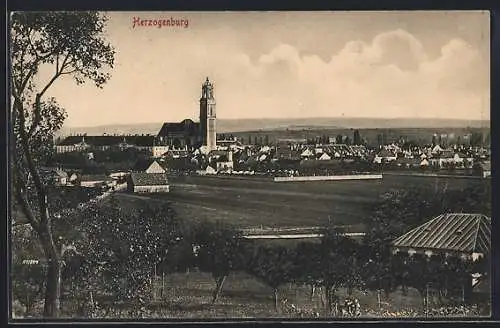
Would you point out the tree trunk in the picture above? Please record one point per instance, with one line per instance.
(329, 299)
(219, 283)
(276, 299)
(468, 290)
(378, 300)
(53, 279)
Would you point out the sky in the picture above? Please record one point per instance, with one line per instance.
(289, 65)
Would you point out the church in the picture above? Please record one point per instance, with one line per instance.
(192, 135)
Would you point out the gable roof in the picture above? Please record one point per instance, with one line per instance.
(453, 232)
(149, 179)
(143, 164)
(386, 153)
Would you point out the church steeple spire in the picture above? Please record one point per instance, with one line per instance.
(207, 115)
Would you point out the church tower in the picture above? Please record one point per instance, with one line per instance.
(207, 116)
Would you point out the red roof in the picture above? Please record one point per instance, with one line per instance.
(460, 232)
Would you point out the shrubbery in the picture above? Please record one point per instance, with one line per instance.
(119, 252)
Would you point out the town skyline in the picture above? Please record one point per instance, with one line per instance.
(382, 65)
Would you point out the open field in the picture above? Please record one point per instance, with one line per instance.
(260, 202)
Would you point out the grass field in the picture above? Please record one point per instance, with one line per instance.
(260, 202)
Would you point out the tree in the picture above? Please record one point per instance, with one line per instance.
(273, 265)
(72, 43)
(339, 139)
(357, 138)
(307, 260)
(28, 273)
(377, 262)
(220, 252)
(121, 248)
(336, 263)
(476, 139)
(380, 140)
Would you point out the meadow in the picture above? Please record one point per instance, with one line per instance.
(259, 202)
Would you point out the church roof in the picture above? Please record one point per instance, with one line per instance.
(452, 232)
(186, 127)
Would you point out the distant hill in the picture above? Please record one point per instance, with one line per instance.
(268, 124)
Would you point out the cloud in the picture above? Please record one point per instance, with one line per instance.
(391, 76)
(158, 78)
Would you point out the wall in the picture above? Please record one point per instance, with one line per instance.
(331, 177)
(151, 189)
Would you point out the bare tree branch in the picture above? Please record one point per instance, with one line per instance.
(38, 116)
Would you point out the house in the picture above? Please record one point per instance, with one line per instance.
(60, 177)
(450, 157)
(159, 151)
(225, 163)
(324, 157)
(73, 177)
(436, 149)
(176, 153)
(307, 153)
(288, 154)
(105, 142)
(149, 166)
(265, 149)
(215, 154)
(72, 143)
(53, 176)
(408, 162)
(210, 170)
(93, 181)
(484, 169)
(385, 156)
(142, 182)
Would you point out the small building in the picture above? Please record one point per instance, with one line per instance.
(385, 156)
(60, 177)
(484, 168)
(462, 234)
(142, 182)
(225, 163)
(94, 180)
(324, 157)
(210, 170)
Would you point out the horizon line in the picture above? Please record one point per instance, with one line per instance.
(286, 118)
